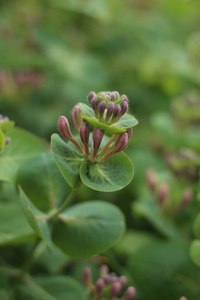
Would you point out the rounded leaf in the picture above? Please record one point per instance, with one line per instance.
(112, 175)
(88, 228)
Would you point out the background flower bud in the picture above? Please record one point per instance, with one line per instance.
(103, 270)
(163, 192)
(129, 294)
(91, 96)
(187, 196)
(64, 128)
(123, 280)
(151, 179)
(87, 277)
(8, 140)
(115, 289)
(99, 286)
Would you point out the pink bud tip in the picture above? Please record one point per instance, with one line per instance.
(115, 289)
(99, 285)
(187, 196)
(87, 277)
(125, 98)
(77, 117)
(130, 293)
(8, 140)
(124, 108)
(163, 191)
(94, 103)
(151, 179)
(121, 142)
(123, 280)
(129, 131)
(64, 128)
(114, 96)
(183, 298)
(91, 96)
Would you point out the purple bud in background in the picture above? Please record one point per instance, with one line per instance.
(124, 107)
(87, 277)
(117, 112)
(64, 128)
(99, 286)
(114, 96)
(129, 131)
(77, 117)
(163, 192)
(8, 140)
(151, 179)
(107, 279)
(101, 109)
(183, 298)
(110, 110)
(97, 138)
(129, 294)
(121, 143)
(125, 98)
(187, 196)
(91, 96)
(115, 289)
(123, 280)
(84, 135)
(104, 270)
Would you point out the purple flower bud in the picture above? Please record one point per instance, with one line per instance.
(121, 143)
(77, 117)
(99, 286)
(183, 298)
(129, 131)
(124, 108)
(125, 98)
(115, 289)
(110, 110)
(91, 96)
(104, 270)
(101, 109)
(94, 104)
(163, 192)
(97, 138)
(87, 277)
(129, 294)
(8, 140)
(187, 196)
(64, 128)
(117, 111)
(107, 279)
(114, 96)
(5, 119)
(84, 135)
(123, 280)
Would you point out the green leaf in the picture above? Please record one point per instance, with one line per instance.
(42, 182)
(5, 126)
(67, 159)
(14, 228)
(125, 122)
(112, 175)
(88, 228)
(36, 218)
(23, 146)
(196, 226)
(149, 209)
(164, 270)
(195, 251)
(55, 287)
(2, 140)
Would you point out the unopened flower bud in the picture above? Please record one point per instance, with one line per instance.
(187, 196)
(107, 279)
(125, 98)
(117, 112)
(163, 192)
(84, 135)
(183, 298)
(91, 96)
(114, 96)
(101, 109)
(110, 110)
(129, 131)
(77, 117)
(121, 142)
(87, 277)
(124, 108)
(151, 179)
(64, 128)
(129, 294)
(104, 270)
(97, 138)
(99, 286)
(8, 140)
(94, 104)
(115, 289)
(123, 280)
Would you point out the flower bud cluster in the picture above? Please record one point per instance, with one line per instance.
(108, 286)
(108, 107)
(115, 144)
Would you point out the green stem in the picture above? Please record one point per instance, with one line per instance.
(31, 257)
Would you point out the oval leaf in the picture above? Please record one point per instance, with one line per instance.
(89, 228)
(67, 159)
(195, 251)
(112, 175)
(2, 140)
(5, 126)
(42, 182)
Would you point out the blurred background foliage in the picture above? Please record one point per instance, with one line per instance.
(54, 52)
